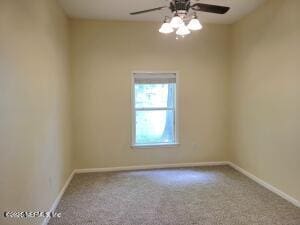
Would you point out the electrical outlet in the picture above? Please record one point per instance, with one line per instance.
(50, 181)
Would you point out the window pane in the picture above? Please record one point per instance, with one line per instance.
(153, 127)
(154, 95)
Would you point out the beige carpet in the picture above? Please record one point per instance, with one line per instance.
(188, 196)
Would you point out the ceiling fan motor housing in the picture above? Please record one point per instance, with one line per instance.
(180, 6)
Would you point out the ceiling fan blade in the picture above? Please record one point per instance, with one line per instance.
(149, 10)
(210, 8)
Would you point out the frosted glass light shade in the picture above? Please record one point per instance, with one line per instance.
(176, 22)
(166, 28)
(194, 24)
(183, 30)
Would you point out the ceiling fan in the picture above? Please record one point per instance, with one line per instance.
(180, 10)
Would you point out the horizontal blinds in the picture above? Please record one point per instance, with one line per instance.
(154, 78)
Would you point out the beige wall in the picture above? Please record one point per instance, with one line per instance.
(266, 94)
(103, 56)
(34, 105)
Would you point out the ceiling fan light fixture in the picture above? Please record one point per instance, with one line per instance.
(183, 30)
(166, 28)
(176, 22)
(194, 24)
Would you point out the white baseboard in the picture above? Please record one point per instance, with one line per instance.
(266, 185)
(58, 198)
(148, 167)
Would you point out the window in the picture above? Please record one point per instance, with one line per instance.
(154, 109)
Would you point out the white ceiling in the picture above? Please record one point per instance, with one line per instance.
(120, 9)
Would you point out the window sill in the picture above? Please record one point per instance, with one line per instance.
(156, 145)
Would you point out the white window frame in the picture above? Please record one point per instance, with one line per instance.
(133, 110)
